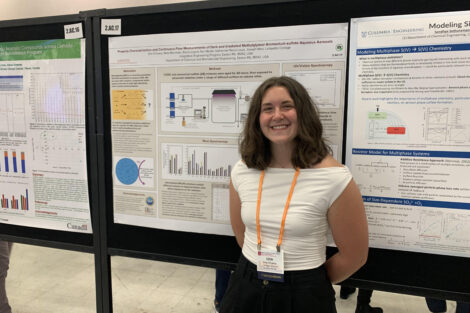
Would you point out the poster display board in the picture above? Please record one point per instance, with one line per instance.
(408, 142)
(178, 104)
(43, 171)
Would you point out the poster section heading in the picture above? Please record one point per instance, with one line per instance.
(180, 101)
(43, 172)
(408, 131)
(444, 154)
(40, 50)
(413, 49)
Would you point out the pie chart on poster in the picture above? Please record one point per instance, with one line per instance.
(127, 171)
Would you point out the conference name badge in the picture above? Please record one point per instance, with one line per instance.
(271, 265)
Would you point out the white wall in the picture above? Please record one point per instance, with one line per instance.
(18, 9)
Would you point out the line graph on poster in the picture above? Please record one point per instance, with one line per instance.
(436, 225)
(445, 125)
(57, 98)
(430, 225)
(457, 227)
(59, 147)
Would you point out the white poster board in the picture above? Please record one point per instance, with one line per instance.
(408, 136)
(43, 173)
(178, 105)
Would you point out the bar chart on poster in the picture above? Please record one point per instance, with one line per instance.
(43, 172)
(179, 103)
(409, 131)
(198, 162)
(13, 202)
(17, 161)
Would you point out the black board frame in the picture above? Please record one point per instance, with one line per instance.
(387, 270)
(45, 28)
(421, 274)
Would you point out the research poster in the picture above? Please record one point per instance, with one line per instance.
(408, 137)
(43, 172)
(179, 102)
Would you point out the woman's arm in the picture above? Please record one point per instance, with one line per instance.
(236, 216)
(348, 224)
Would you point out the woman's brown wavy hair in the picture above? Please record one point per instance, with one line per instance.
(309, 146)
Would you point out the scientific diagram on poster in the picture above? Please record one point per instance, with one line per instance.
(132, 171)
(217, 107)
(383, 125)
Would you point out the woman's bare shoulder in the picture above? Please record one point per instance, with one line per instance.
(328, 161)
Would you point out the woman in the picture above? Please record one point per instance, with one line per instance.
(284, 193)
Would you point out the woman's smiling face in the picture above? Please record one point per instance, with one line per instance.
(278, 116)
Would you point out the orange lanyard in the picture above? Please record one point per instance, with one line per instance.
(281, 232)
